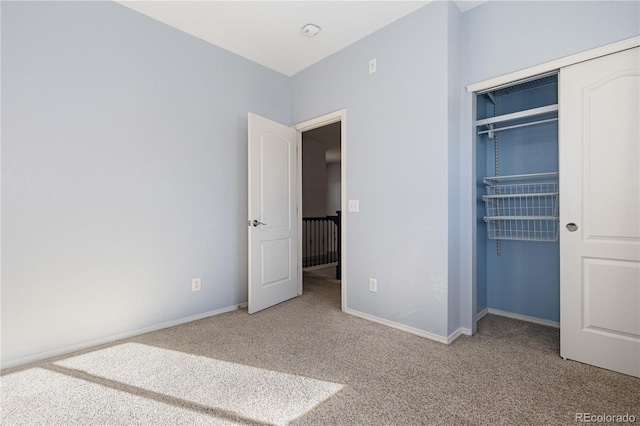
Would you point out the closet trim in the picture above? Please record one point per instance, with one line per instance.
(556, 64)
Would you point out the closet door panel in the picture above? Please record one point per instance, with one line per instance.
(612, 210)
(600, 193)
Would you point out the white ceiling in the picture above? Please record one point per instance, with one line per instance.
(269, 32)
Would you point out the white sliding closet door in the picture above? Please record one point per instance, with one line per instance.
(600, 212)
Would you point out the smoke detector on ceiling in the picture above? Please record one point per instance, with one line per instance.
(310, 30)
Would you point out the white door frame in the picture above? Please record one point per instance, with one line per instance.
(314, 123)
(506, 79)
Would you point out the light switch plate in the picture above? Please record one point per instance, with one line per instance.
(354, 206)
(372, 66)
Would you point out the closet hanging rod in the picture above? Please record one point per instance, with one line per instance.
(516, 126)
(518, 115)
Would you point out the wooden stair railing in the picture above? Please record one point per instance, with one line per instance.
(321, 241)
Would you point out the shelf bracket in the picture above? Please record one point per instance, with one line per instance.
(492, 97)
(491, 132)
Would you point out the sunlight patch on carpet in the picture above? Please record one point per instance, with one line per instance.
(41, 397)
(252, 393)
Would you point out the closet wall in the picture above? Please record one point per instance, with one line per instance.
(518, 276)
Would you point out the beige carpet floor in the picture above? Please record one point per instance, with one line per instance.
(306, 362)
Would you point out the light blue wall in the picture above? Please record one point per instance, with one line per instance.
(454, 83)
(396, 164)
(123, 172)
(503, 37)
(482, 239)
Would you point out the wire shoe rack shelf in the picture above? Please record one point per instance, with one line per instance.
(522, 207)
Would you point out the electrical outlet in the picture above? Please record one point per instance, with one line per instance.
(354, 206)
(372, 66)
(196, 284)
(373, 285)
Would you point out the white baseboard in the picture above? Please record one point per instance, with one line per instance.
(520, 317)
(403, 327)
(481, 314)
(453, 336)
(110, 339)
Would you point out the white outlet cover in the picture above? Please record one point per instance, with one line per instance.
(372, 66)
(373, 285)
(354, 206)
(196, 284)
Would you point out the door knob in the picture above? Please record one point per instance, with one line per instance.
(257, 222)
(572, 227)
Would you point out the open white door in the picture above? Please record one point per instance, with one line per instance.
(600, 212)
(273, 220)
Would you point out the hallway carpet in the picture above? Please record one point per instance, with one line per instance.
(304, 362)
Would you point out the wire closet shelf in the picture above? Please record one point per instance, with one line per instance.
(522, 207)
(523, 118)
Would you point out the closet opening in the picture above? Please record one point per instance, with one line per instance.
(518, 252)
